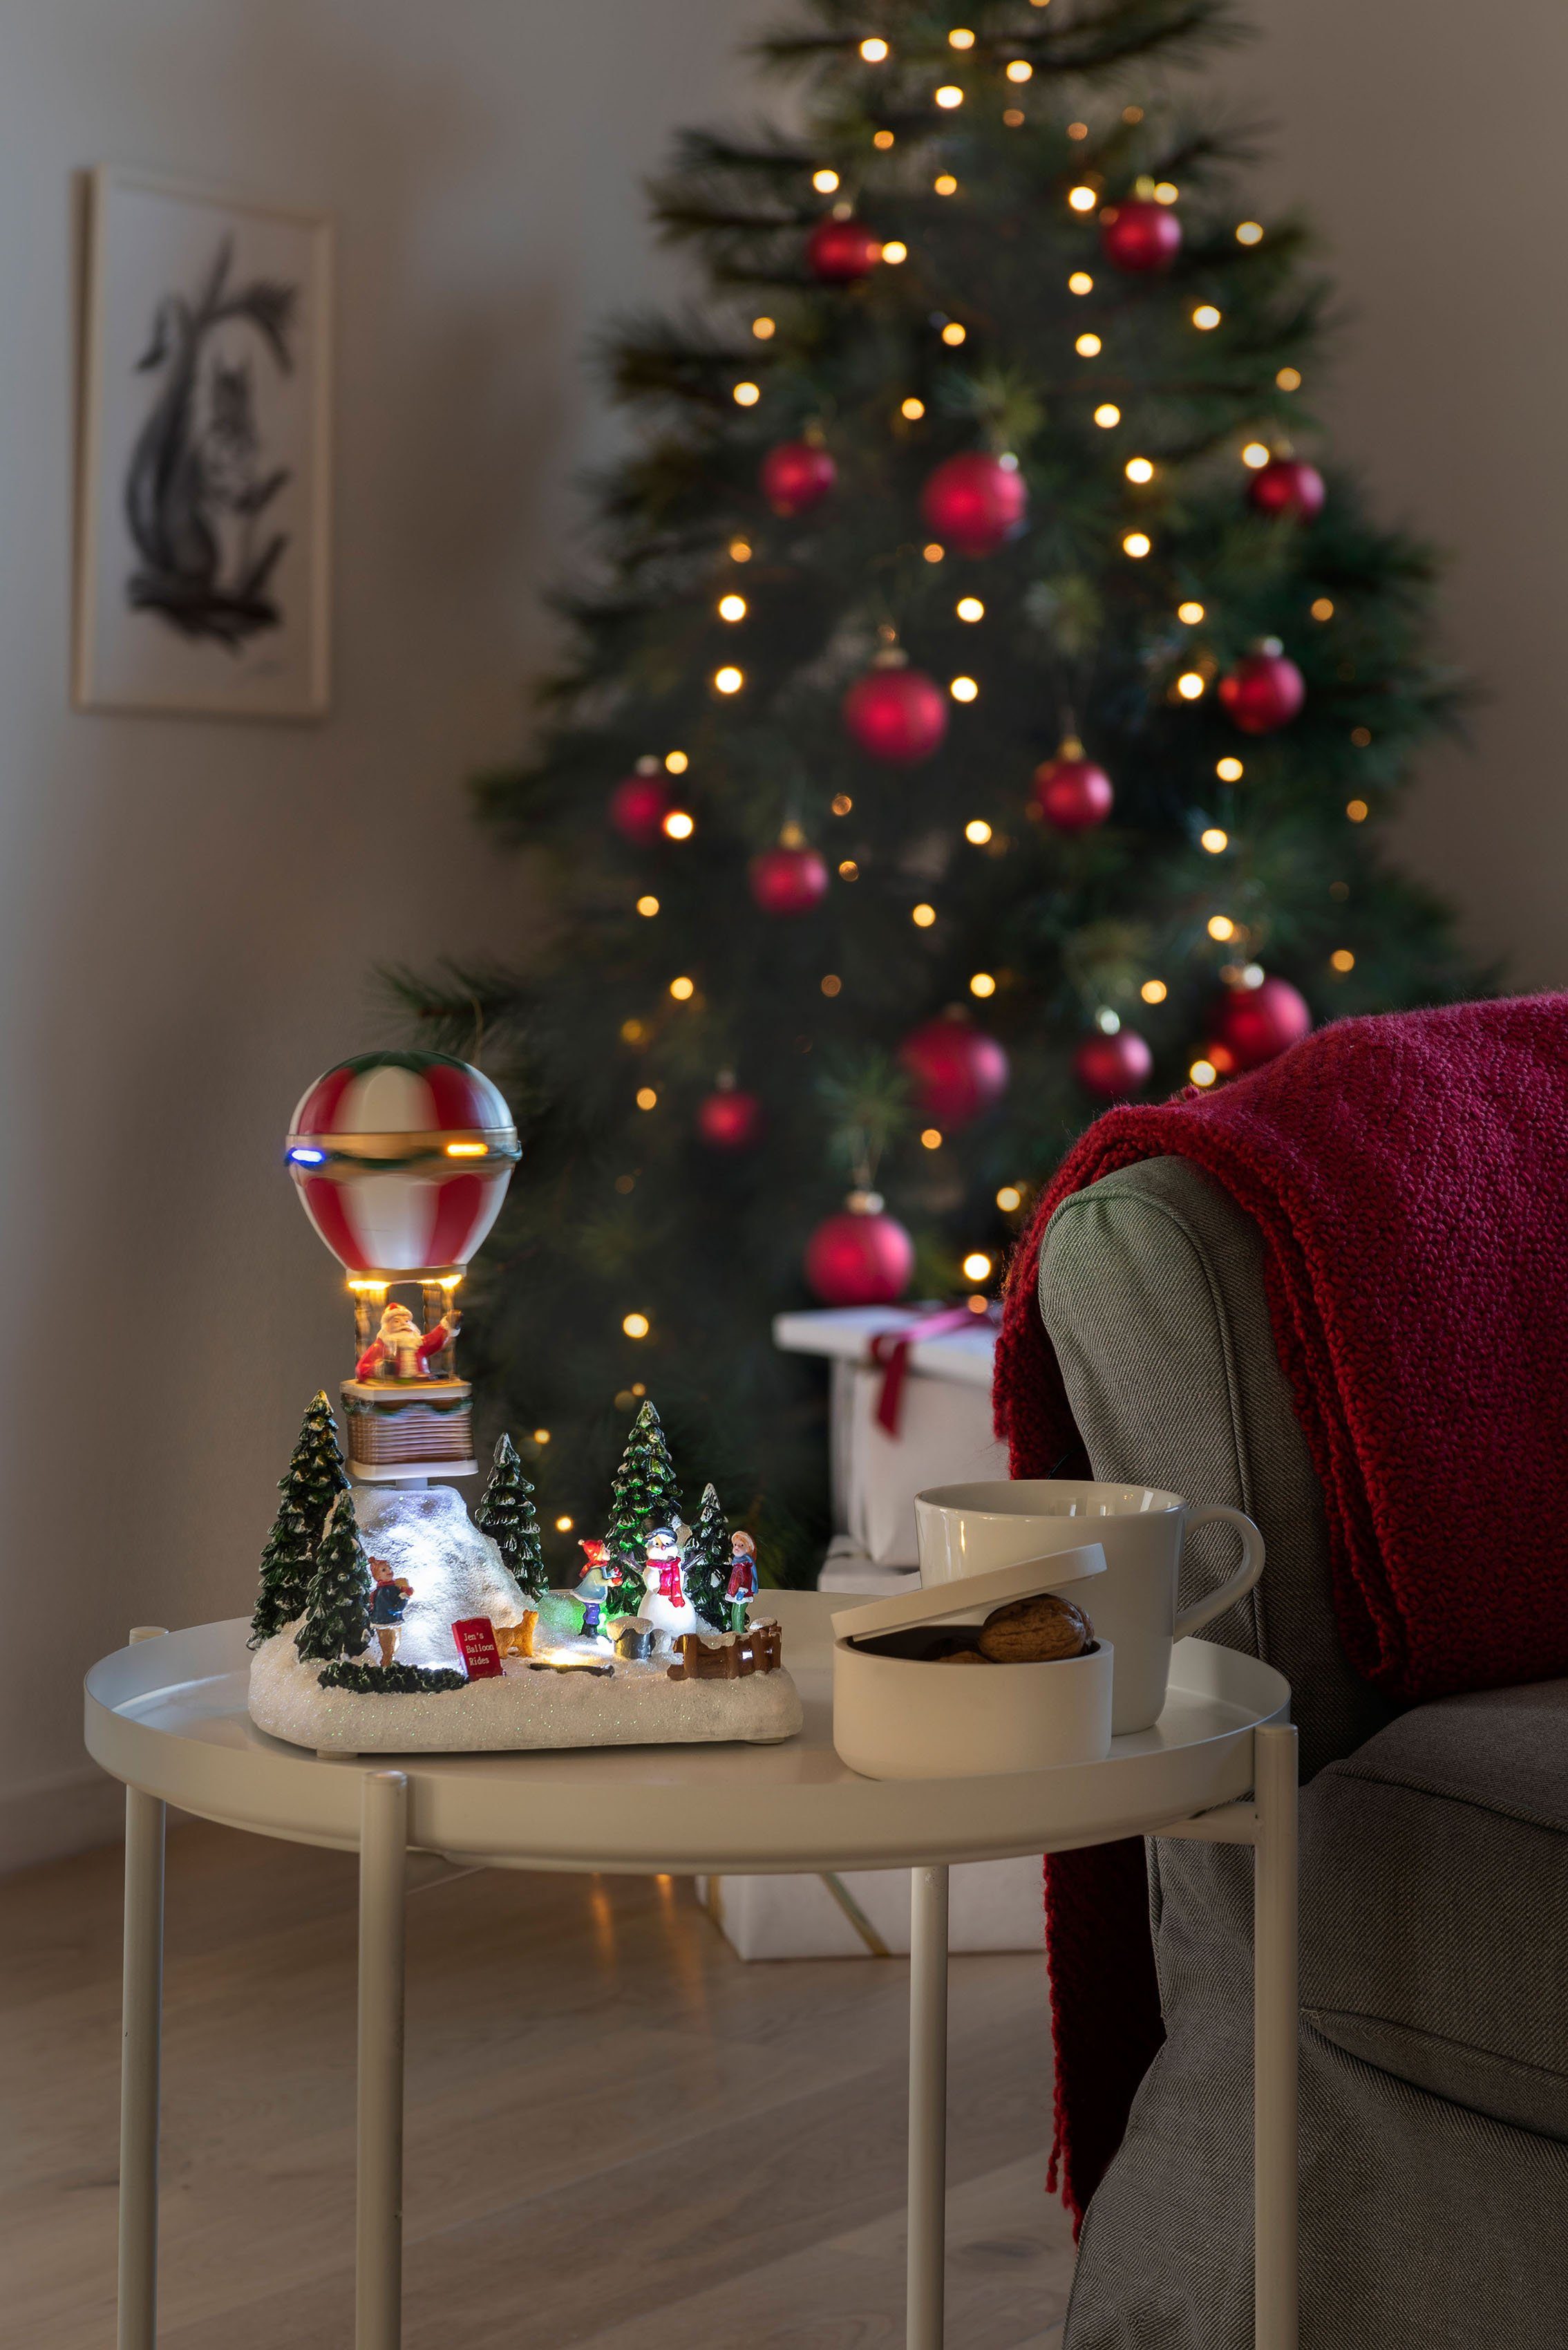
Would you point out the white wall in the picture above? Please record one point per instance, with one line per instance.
(190, 911)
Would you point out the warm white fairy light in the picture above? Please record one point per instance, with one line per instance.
(948, 96)
(1080, 282)
(848, 870)
(679, 824)
(1166, 192)
(632, 1032)
(953, 334)
(636, 1326)
(933, 552)
(960, 38)
(874, 50)
(540, 1436)
(969, 608)
(1323, 608)
(564, 1525)
(922, 916)
(1190, 613)
(1214, 840)
(740, 550)
(895, 251)
(1342, 959)
(978, 830)
(1289, 379)
(983, 984)
(1089, 346)
(1221, 927)
(977, 1266)
(830, 983)
(729, 680)
(1257, 454)
(1014, 117)
(1106, 414)
(1138, 544)
(764, 329)
(1008, 1198)
(841, 804)
(1358, 811)
(883, 139)
(944, 184)
(647, 1098)
(912, 408)
(1205, 317)
(825, 181)
(1203, 1073)
(932, 1137)
(648, 906)
(682, 990)
(1138, 468)
(1249, 232)
(1020, 69)
(746, 395)
(963, 689)
(676, 762)
(1190, 685)
(1154, 990)
(1083, 199)
(1230, 771)
(732, 608)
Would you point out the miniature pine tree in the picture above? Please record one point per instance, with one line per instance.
(506, 1513)
(284, 1575)
(643, 1494)
(707, 1564)
(337, 1604)
(315, 1475)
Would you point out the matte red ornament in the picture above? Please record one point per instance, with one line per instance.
(839, 250)
(796, 476)
(975, 502)
(1113, 1066)
(1288, 487)
(957, 1071)
(638, 806)
(1071, 792)
(1257, 1023)
(1262, 693)
(789, 880)
(862, 1256)
(899, 715)
(1139, 235)
(729, 1120)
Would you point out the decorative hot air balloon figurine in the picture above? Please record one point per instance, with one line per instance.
(401, 1161)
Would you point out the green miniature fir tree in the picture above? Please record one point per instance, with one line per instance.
(337, 1604)
(706, 1566)
(505, 1512)
(643, 1494)
(285, 1565)
(315, 1475)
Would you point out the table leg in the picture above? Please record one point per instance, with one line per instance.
(1275, 2028)
(378, 2228)
(928, 2107)
(141, 2024)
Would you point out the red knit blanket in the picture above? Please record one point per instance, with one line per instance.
(1409, 1177)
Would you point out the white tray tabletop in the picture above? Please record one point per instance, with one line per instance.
(168, 1716)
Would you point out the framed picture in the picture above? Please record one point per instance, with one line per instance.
(202, 543)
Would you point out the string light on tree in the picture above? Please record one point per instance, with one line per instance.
(1230, 771)
(948, 96)
(1107, 414)
(969, 608)
(883, 139)
(676, 762)
(953, 334)
(1009, 1199)
(1138, 468)
(977, 830)
(912, 409)
(679, 824)
(1190, 685)
(895, 250)
(1189, 613)
(825, 181)
(1289, 379)
(1249, 232)
(1342, 961)
(1206, 318)
(647, 1098)
(648, 906)
(636, 1326)
(1154, 990)
(1322, 608)
(1089, 346)
(764, 329)
(1082, 199)
(963, 689)
(746, 395)
(944, 184)
(1203, 1073)
(682, 990)
(874, 50)
(1221, 927)
(1138, 544)
(1080, 282)
(1020, 69)
(977, 1266)
(983, 984)
(1214, 840)
(1256, 453)
(922, 916)
(732, 608)
(728, 680)
(1358, 811)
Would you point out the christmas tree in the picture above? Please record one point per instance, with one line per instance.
(285, 1563)
(315, 1475)
(643, 1494)
(505, 1512)
(706, 1566)
(986, 710)
(337, 1604)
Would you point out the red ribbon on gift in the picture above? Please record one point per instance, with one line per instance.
(891, 1352)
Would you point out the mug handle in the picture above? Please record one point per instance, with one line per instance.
(1193, 1619)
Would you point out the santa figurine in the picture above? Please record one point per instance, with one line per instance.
(741, 1588)
(403, 1347)
(664, 1604)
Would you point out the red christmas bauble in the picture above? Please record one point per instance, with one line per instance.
(975, 502)
(958, 1070)
(729, 1120)
(1139, 235)
(897, 714)
(860, 1257)
(797, 475)
(638, 806)
(1113, 1066)
(790, 880)
(1263, 691)
(1257, 1023)
(839, 250)
(1288, 487)
(1071, 792)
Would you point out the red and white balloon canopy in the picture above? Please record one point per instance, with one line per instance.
(403, 1160)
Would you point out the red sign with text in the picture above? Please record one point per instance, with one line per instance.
(476, 1637)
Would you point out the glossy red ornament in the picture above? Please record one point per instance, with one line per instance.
(862, 1256)
(1263, 691)
(1071, 792)
(1288, 487)
(729, 1120)
(1113, 1066)
(638, 806)
(839, 250)
(789, 880)
(899, 715)
(957, 1071)
(1139, 235)
(975, 502)
(796, 476)
(1256, 1023)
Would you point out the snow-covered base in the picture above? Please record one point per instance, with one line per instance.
(637, 1705)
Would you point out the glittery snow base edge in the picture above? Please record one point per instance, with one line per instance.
(635, 1706)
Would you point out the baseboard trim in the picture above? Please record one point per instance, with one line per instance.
(49, 1818)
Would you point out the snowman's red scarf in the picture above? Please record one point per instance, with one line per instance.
(1410, 1178)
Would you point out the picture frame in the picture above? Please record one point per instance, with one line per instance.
(203, 491)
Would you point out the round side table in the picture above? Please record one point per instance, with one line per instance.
(167, 1715)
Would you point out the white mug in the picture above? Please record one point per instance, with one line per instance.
(970, 1529)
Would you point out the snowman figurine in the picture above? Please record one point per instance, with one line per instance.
(665, 1605)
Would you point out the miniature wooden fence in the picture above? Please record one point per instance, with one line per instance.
(760, 1650)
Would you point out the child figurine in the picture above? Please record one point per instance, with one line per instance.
(741, 1588)
(389, 1606)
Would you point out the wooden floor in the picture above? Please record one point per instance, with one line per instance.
(620, 2137)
